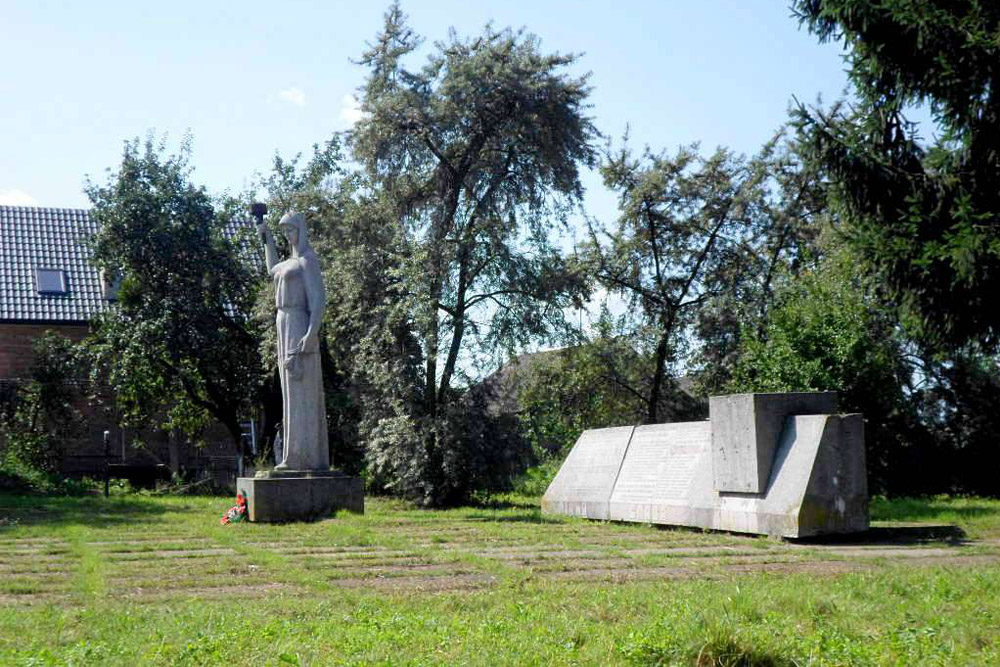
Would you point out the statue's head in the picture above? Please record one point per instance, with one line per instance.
(293, 226)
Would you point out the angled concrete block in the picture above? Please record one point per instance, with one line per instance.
(583, 485)
(745, 431)
(836, 498)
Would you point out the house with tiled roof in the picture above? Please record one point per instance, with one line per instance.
(47, 281)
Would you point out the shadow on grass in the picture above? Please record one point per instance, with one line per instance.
(894, 536)
(534, 517)
(505, 504)
(532, 513)
(917, 509)
(18, 510)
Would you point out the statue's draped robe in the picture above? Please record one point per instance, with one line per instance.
(304, 424)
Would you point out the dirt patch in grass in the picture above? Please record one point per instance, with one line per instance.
(425, 584)
(539, 554)
(890, 552)
(697, 551)
(34, 557)
(170, 553)
(147, 541)
(322, 564)
(38, 598)
(360, 552)
(954, 561)
(694, 571)
(209, 592)
(28, 540)
(438, 569)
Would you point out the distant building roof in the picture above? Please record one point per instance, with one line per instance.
(34, 238)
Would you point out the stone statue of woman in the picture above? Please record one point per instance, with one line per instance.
(301, 300)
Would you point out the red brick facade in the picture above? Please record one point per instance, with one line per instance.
(16, 341)
(82, 453)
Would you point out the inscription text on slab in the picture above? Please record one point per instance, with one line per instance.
(661, 462)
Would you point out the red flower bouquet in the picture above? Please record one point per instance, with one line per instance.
(237, 512)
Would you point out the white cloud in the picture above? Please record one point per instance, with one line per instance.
(16, 198)
(350, 110)
(293, 95)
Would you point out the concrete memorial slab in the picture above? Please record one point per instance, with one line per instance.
(583, 485)
(814, 483)
(658, 481)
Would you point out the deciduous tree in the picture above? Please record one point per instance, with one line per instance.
(474, 159)
(692, 232)
(179, 340)
(479, 153)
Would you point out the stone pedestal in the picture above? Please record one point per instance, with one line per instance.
(300, 495)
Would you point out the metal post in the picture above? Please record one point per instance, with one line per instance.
(107, 463)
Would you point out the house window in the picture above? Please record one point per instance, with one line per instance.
(51, 281)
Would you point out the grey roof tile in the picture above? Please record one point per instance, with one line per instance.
(56, 238)
(33, 237)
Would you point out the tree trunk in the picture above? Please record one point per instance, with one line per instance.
(458, 318)
(652, 412)
(174, 451)
(430, 384)
(765, 299)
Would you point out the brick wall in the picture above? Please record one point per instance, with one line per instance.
(16, 353)
(16, 357)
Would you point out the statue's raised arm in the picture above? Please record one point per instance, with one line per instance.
(259, 210)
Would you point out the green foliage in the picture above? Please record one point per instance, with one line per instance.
(821, 335)
(468, 448)
(667, 252)
(564, 392)
(535, 481)
(39, 415)
(468, 165)
(959, 403)
(479, 449)
(179, 340)
(477, 157)
(925, 217)
(827, 333)
(695, 250)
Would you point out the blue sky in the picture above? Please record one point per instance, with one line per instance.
(251, 78)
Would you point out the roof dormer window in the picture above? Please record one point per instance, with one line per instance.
(51, 281)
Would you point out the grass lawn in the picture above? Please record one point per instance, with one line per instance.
(140, 580)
